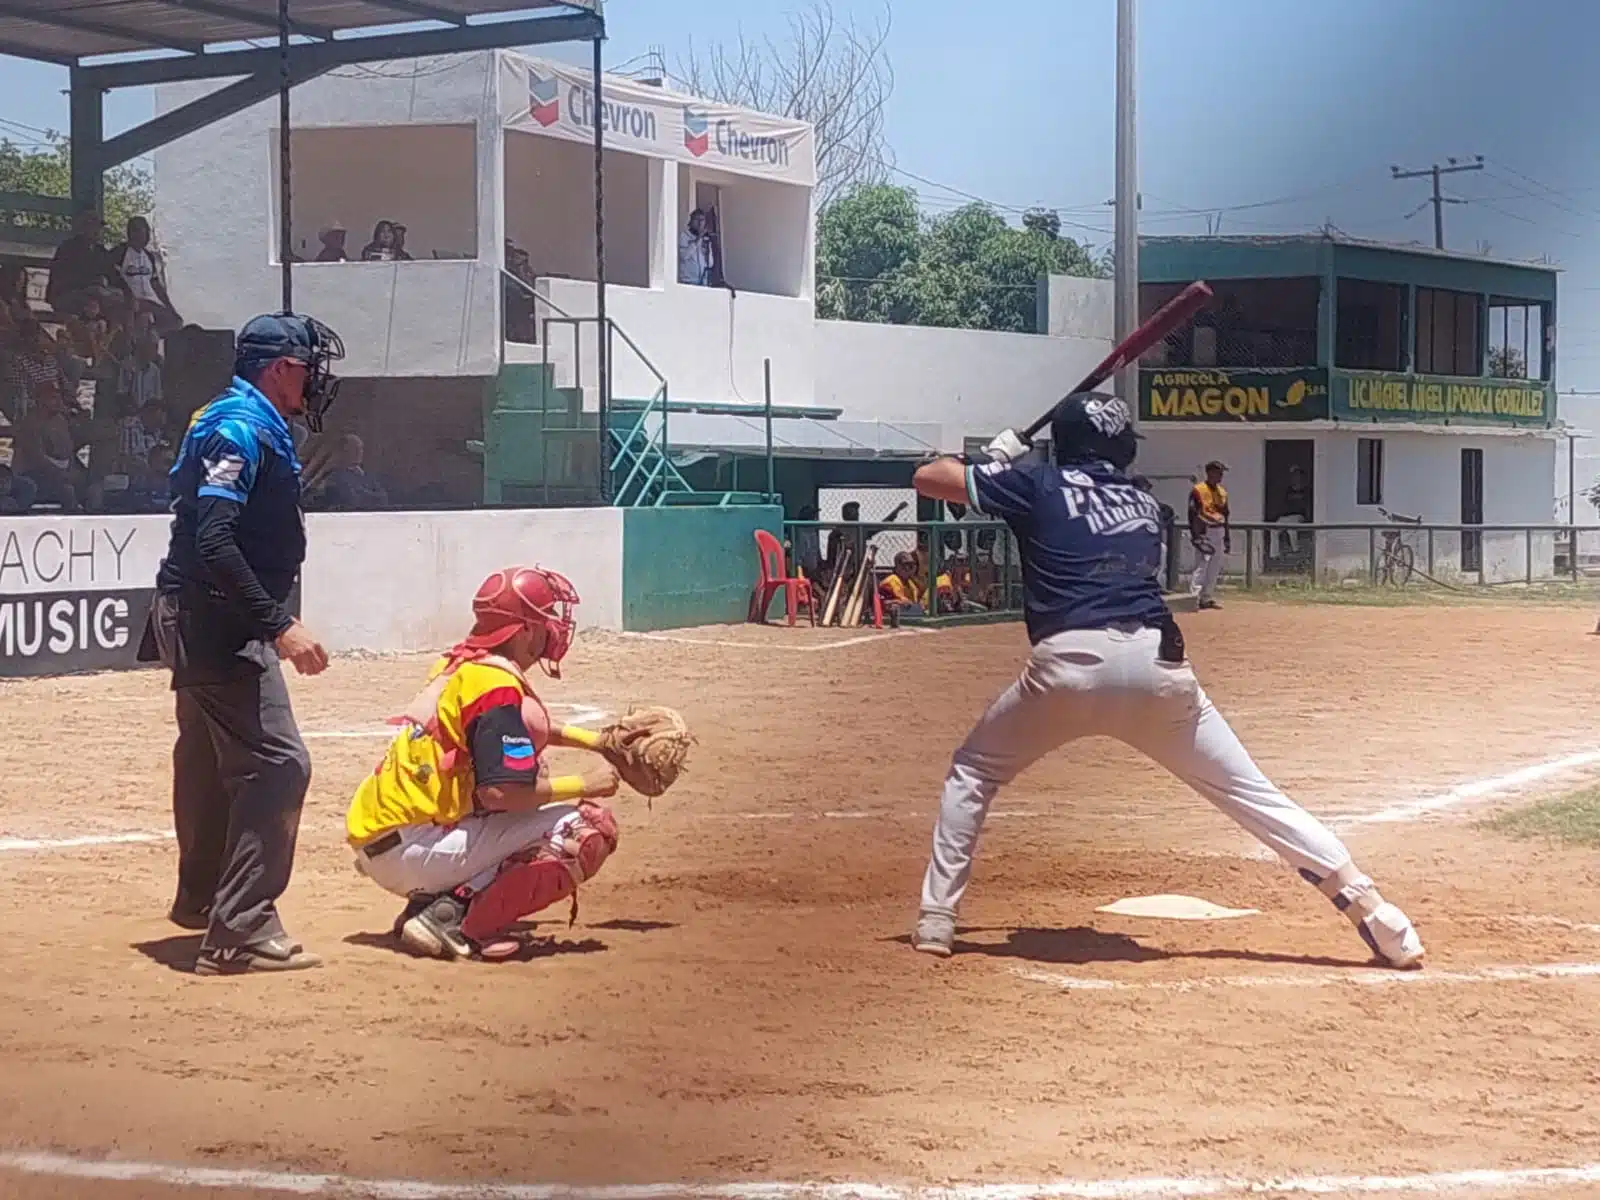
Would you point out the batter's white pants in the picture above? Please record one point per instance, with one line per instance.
(1110, 682)
(1207, 571)
(439, 858)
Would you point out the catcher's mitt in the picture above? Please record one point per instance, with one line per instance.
(648, 747)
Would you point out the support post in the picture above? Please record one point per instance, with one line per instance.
(87, 131)
(285, 171)
(766, 375)
(1572, 504)
(602, 341)
(1125, 257)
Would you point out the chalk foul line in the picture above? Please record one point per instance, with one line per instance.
(1137, 1188)
(1359, 977)
(24, 845)
(1478, 789)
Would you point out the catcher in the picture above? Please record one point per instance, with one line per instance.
(462, 817)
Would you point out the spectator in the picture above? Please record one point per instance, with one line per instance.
(695, 256)
(400, 242)
(138, 434)
(381, 248)
(807, 547)
(348, 487)
(141, 269)
(332, 238)
(840, 540)
(1296, 510)
(88, 333)
(14, 308)
(33, 364)
(81, 265)
(44, 449)
(16, 492)
(139, 376)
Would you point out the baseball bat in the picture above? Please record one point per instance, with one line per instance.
(1174, 313)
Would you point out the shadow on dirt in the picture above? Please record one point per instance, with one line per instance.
(1080, 945)
(532, 947)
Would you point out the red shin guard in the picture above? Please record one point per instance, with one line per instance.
(574, 854)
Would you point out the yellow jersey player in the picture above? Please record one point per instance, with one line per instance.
(462, 817)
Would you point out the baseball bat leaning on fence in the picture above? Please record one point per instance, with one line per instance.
(1172, 315)
(852, 611)
(831, 609)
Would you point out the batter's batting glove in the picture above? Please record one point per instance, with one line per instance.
(1007, 447)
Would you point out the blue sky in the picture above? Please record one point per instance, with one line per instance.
(1279, 114)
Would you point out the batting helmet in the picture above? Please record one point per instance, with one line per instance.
(1093, 427)
(267, 338)
(519, 598)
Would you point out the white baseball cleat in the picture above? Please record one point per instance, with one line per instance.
(1391, 936)
(936, 935)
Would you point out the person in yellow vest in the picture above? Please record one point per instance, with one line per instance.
(1208, 523)
(462, 818)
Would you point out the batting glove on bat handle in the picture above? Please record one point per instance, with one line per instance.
(1007, 447)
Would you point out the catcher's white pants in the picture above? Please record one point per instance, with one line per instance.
(1110, 682)
(440, 858)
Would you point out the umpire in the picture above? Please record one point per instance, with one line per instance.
(220, 624)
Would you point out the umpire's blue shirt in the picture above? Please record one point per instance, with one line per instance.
(238, 535)
(1090, 542)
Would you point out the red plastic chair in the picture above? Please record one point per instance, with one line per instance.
(775, 578)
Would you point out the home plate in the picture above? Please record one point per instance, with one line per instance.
(1175, 908)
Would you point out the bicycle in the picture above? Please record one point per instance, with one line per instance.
(1397, 561)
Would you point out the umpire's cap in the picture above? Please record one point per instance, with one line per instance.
(272, 336)
(1093, 427)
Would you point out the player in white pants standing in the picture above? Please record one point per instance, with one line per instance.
(1108, 658)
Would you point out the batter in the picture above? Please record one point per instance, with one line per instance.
(1108, 659)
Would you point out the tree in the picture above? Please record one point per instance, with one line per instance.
(878, 260)
(49, 173)
(868, 247)
(1507, 362)
(1045, 222)
(835, 76)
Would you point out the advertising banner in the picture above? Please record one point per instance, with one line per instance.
(1432, 398)
(1253, 397)
(75, 591)
(557, 100)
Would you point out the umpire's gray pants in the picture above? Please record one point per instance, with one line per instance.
(239, 778)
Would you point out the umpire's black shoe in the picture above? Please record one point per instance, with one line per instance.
(274, 954)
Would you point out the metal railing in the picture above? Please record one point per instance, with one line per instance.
(643, 455)
(1403, 552)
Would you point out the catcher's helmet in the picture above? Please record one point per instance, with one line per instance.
(1093, 427)
(267, 338)
(519, 598)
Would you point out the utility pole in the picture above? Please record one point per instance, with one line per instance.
(1126, 253)
(1439, 199)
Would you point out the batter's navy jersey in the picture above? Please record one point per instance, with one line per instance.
(1090, 542)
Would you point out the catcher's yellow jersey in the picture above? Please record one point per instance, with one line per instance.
(432, 777)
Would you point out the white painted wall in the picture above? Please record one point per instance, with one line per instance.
(404, 581)
(549, 208)
(423, 176)
(971, 383)
(1071, 306)
(768, 235)
(215, 212)
(709, 344)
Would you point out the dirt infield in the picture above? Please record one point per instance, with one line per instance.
(737, 1001)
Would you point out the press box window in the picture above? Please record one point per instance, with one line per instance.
(1369, 470)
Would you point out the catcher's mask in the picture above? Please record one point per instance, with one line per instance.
(265, 339)
(519, 598)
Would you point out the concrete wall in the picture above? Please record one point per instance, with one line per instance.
(216, 216)
(424, 176)
(684, 567)
(551, 216)
(768, 236)
(971, 383)
(1071, 306)
(404, 581)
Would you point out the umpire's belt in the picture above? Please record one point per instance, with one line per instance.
(381, 845)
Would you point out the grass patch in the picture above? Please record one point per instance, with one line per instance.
(1574, 819)
(1364, 595)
